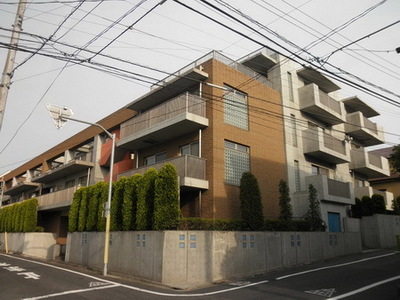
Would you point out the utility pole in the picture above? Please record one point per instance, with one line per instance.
(9, 65)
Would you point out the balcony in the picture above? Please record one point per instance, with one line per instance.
(63, 170)
(176, 117)
(191, 171)
(332, 190)
(325, 147)
(363, 130)
(57, 199)
(368, 164)
(362, 191)
(318, 104)
(21, 187)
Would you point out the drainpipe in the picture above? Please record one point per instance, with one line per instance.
(88, 177)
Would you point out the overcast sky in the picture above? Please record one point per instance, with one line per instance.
(165, 38)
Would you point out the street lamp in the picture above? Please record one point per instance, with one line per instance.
(60, 116)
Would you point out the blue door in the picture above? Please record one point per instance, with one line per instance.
(334, 222)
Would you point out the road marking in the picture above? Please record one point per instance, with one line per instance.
(322, 292)
(334, 266)
(115, 284)
(360, 290)
(72, 292)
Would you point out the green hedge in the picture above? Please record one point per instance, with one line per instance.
(166, 199)
(145, 203)
(240, 225)
(20, 217)
(129, 205)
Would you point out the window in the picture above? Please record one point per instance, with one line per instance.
(152, 159)
(82, 181)
(294, 129)
(317, 170)
(297, 175)
(190, 149)
(237, 161)
(235, 108)
(290, 86)
(70, 183)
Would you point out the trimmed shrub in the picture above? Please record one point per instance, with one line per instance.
(73, 215)
(116, 204)
(210, 224)
(396, 205)
(92, 217)
(166, 199)
(129, 205)
(379, 205)
(30, 215)
(145, 204)
(357, 209)
(103, 196)
(367, 206)
(83, 209)
(284, 202)
(250, 202)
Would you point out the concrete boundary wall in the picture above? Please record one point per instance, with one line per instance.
(379, 231)
(36, 244)
(190, 258)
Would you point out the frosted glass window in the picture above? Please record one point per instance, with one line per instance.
(235, 109)
(237, 161)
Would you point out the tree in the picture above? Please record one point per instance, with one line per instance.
(92, 218)
(394, 159)
(250, 202)
(284, 202)
(166, 199)
(313, 215)
(145, 203)
(83, 209)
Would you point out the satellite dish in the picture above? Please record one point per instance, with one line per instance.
(59, 114)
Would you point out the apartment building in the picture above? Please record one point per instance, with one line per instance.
(326, 138)
(215, 119)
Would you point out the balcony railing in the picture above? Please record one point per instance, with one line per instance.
(172, 118)
(369, 164)
(191, 170)
(332, 190)
(320, 105)
(363, 129)
(324, 146)
(63, 170)
(59, 198)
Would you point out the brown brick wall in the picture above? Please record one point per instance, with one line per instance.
(265, 138)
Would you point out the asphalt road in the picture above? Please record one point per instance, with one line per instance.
(372, 275)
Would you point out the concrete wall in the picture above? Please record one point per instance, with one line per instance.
(379, 231)
(189, 258)
(36, 244)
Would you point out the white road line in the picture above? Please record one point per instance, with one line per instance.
(115, 284)
(71, 292)
(334, 266)
(360, 290)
